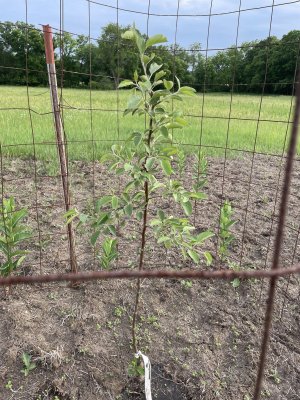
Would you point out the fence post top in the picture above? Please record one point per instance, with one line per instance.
(48, 44)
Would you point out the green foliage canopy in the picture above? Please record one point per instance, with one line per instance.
(267, 64)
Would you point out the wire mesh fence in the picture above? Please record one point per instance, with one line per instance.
(229, 142)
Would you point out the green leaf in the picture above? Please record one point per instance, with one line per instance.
(198, 195)
(187, 206)
(19, 253)
(114, 202)
(229, 224)
(32, 366)
(126, 197)
(204, 236)
(163, 239)
(194, 256)
(70, 215)
(155, 40)
(126, 112)
(128, 209)
(161, 215)
(146, 59)
(94, 237)
(157, 96)
(102, 219)
(128, 167)
(20, 260)
(26, 359)
(140, 42)
(129, 35)
(145, 86)
(18, 237)
(149, 163)
(188, 91)
(126, 83)
(168, 84)
(159, 75)
(164, 131)
(236, 283)
(208, 258)
(170, 151)
(154, 68)
(112, 230)
(181, 121)
(129, 186)
(159, 110)
(137, 138)
(17, 216)
(176, 97)
(155, 222)
(166, 166)
(102, 202)
(174, 125)
(139, 215)
(134, 102)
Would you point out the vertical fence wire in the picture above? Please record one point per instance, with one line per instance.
(166, 250)
(91, 116)
(203, 100)
(33, 139)
(256, 136)
(229, 119)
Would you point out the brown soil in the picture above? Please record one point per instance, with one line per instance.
(203, 341)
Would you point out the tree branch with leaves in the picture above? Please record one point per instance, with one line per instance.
(151, 160)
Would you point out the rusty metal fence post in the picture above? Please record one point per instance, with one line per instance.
(60, 137)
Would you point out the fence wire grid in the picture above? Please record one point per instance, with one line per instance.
(262, 185)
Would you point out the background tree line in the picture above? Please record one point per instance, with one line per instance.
(102, 62)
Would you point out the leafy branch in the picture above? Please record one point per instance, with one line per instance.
(12, 234)
(149, 159)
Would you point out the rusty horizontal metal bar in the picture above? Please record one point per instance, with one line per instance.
(150, 274)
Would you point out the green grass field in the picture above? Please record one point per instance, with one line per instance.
(105, 126)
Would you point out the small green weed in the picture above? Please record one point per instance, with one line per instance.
(9, 385)
(200, 171)
(119, 311)
(186, 284)
(275, 376)
(98, 327)
(235, 267)
(226, 222)
(27, 364)
(135, 369)
(109, 252)
(152, 319)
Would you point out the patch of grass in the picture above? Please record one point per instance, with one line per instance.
(90, 134)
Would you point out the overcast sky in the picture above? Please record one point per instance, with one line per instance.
(192, 24)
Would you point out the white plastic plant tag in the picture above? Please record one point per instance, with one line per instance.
(147, 366)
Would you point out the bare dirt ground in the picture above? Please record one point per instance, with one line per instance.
(203, 341)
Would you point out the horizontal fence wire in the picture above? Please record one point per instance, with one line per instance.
(211, 14)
